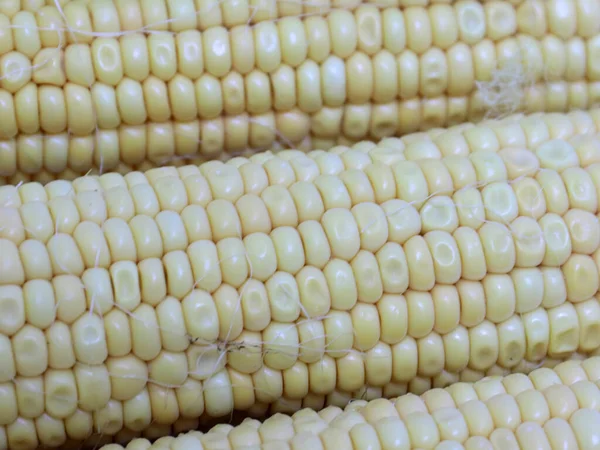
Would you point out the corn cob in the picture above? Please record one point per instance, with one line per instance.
(547, 410)
(80, 90)
(289, 281)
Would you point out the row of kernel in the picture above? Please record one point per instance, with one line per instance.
(441, 262)
(109, 60)
(145, 146)
(536, 17)
(331, 80)
(63, 244)
(61, 110)
(311, 85)
(249, 176)
(583, 151)
(293, 384)
(479, 348)
(341, 30)
(188, 54)
(491, 421)
(11, 7)
(147, 282)
(523, 129)
(529, 337)
(291, 39)
(499, 292)
(575, 187)
(150, 144)
(360, 176)
(351, 193)
(549, 179)
(520, 131)
(550, 286)
(419, 27)
(80, 424)
(577, 127)
(458, 114)
(154, 405)
(543, 404)
(81, 431)
(579, 374)
(563, 174)
(81, 110)
(89, 17)
(153, 279)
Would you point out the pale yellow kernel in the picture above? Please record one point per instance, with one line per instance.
(500, 296)
(564, 330)
(433, 73)
(446, 256)
(343, 33)
(26, 33)
(369, 27)
(319, 41)
(500, 202)
(420, 263)
(294, 42)
(581, 277)
(501, 20)
(217, 52)
(519, 162)
(583, 230)
(498, 246)
(471, 21)
(15, 71)
(280, 345)
(557, 238)
(484, 350)
(557, 155)
(6, 36)
(314, 293)
(135, 56)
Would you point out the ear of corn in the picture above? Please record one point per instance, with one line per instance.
(296, 280)
(549, 409)
(112, 85)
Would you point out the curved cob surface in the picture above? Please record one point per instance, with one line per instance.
(547, 410)
(120, 85)
(152, 301)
